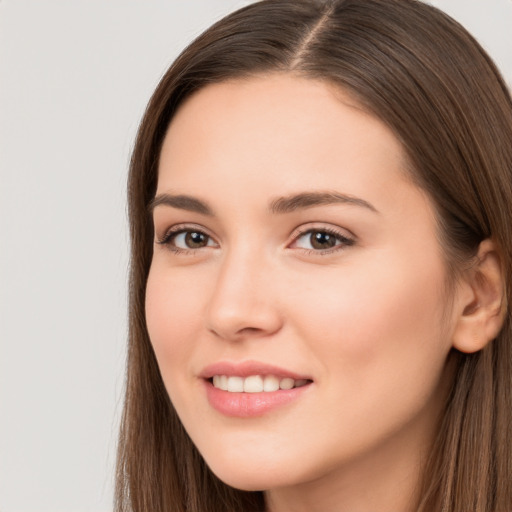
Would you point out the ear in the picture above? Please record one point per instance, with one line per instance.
(481, 297)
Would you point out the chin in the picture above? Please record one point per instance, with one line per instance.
(247, 476)
(246, 481)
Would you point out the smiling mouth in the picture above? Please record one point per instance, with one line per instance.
(255, 383)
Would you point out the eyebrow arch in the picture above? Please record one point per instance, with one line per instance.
(183, 202)
(280, 205)
(311, 199)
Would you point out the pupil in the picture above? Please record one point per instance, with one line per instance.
(194, 240)
(322, 240)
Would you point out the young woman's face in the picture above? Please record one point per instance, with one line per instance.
(291, 250)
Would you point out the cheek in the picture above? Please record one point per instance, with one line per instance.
(172, 313)
(378, 339)
(381, 318)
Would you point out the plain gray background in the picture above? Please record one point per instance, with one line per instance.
(74, 80)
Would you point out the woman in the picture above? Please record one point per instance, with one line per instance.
(320, 203)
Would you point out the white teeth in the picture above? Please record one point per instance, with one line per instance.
(255, 383)
(221, 382)
(235, 384)
(286, 383)
(270, 383)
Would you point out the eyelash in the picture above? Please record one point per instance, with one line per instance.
(178, 230)
(173, 232)
(344, 240)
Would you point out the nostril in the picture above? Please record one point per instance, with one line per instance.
(249, 330)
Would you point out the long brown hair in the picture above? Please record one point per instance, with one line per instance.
(423, 75)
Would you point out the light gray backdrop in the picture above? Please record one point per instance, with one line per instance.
(74, 80)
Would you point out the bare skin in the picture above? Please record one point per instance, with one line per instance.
(349, 292)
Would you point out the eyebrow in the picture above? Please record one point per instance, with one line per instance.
(279, 205)
(311, 199)
(182, 202)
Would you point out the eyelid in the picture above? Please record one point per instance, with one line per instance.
(322, 226)
(345, 236)
(180, 228)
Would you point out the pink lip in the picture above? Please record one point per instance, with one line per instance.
(246, 368)
(246, 405)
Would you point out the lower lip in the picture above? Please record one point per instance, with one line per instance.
(247, 405)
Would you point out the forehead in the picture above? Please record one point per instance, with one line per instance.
(273, 122)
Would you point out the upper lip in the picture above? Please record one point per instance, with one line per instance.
(247, 368)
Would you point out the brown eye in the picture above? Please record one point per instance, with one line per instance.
(322, 240)
(318, 240)
(195, 239)
(187, 240)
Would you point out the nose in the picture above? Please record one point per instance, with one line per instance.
(243, 303)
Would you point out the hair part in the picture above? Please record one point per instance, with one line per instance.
(430, 82)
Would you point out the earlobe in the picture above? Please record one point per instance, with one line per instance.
(483, 305)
